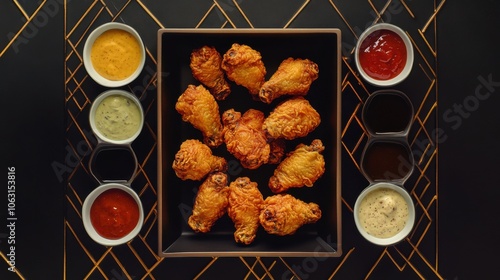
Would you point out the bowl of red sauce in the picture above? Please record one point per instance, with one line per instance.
(384, 55)
(112, 214)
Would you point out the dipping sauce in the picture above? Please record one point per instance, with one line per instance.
(387, 112)
(117, 117)
(116, 54)
(114, 214)
(386, 160)
(383, 213)
(382, 55)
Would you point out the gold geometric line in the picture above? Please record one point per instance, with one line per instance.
(427, 94)
(150, 14)
(433, 16)
(384, 252)
(122, 267)
(407, 8)
(28, 21)
(296, 14)
(421, 54)
(351, 155)
(16, 270)
(347, 205)
(407, 262)
(98, 262)
(214, 259)
(427, 43)
(82, 18)
(344, 259)
(379, 14)
(267, 269)
(205, 16)
(243, 13)
(21, 9)
(250, 268)
(224, 13)
(153, 267)
(289, 268)
(343, 18)
(351, 70)
(434, 269)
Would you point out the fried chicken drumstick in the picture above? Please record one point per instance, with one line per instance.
(194, 160)
(243, 65)
(245, 202)
(210, 203)
(198, 107)
(302, 167)
(291, 119)
(283, 214)
(293, 77)
(245, 138)
(206, 68)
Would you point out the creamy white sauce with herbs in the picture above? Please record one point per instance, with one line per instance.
(117, 117)
(383, 213)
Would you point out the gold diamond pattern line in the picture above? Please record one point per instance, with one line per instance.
(296, 14)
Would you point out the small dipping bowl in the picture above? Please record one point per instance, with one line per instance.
(389, 200)
(116, 117)
(384, 55)
(112, 214)
(120, 45)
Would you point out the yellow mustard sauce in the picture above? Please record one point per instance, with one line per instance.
(116, 54)
(117, 117)
(383, 213)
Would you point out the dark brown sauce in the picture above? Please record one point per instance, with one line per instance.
(114, 164)
(387, 112)
(386, 161)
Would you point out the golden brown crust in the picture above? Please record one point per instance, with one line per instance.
(283, 214)
(243, 65)
(210, 203)
(198, 107)
(206, 67)
(194, 160)
(245, 138)
(245, 202)
(293, 77)
(302, 167)
(291, 119)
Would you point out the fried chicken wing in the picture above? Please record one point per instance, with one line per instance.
(293, 77)
(211, 202)
(243, 65)
(198, 107)
(245, 202)
(206, 68)
(291, 119)
(283, 214)
(194, 160)
(302, 167)
(245, 138)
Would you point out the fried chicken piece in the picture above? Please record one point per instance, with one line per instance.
(283, 214)
(245, 138)
(206, 68)
(244, 66)
(198, 107)
(302, 167)
(211, 202)
(293, 77)
(194, 160)
(277, 153)
(245, 202)
(291, 119)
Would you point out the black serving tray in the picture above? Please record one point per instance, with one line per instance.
(176, 197)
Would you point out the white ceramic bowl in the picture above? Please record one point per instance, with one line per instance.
(409, 55)
(88, 46)
(401, 234)
(96, 103)
(87, 204)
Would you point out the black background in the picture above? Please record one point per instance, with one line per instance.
(32, 125)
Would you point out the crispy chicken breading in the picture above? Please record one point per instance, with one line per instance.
(283, 214)
(206, 68)
(211, 202)
(293, 77)
(245, 138)
(198, 107)
(194, 160)
(245, 202)
(302, 167)
(243, 65)
(291, 119)
(277, 153)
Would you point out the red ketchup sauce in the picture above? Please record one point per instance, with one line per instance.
(382, 55)
(114, 214)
